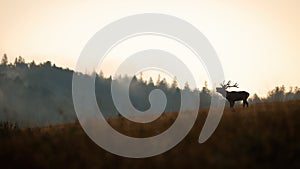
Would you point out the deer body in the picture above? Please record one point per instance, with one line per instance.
(237, 96)
(234, 95)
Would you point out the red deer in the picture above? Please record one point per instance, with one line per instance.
(234, 95)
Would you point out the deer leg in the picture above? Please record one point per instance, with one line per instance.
(245, 103)
(231, 104)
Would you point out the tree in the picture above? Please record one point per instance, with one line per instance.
(186, 86)
(256, 99)
(297, 93)
(101, 74)
(174, 83)
(150, 82)
(32, 64)
(205, 97)
(276, 94)
(158, 80)
(205, 88)
(48, 64)
(289, 95)
(20, 60)
(141, 77)
(4, 60)
(163, 84)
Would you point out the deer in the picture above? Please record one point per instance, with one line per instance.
(234, 95)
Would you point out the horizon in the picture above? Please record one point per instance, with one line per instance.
(256, 42)
(161, 77)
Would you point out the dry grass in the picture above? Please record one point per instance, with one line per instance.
(262, 136)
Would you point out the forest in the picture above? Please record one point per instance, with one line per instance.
(41, 94)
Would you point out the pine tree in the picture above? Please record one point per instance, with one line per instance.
(4, 60)
(174, 83)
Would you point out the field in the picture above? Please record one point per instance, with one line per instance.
(262, 136)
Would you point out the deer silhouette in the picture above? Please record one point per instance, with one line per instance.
(234, 95)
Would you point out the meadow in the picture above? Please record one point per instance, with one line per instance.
(261, 136)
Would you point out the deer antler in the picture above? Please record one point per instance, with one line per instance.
(223, 85)
(235, 85)
(228, 84)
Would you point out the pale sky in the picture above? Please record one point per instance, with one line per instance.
(258, 42)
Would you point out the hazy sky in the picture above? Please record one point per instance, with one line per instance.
(258, 42)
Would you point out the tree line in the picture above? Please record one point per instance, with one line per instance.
(41, 94)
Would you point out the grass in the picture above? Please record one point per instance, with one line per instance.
(262, 136)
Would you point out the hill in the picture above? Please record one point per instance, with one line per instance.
(262, 136)
(41, 94)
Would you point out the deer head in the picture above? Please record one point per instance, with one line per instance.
(225, 86)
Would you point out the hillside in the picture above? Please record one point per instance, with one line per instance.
(262, 136)
(41, 94)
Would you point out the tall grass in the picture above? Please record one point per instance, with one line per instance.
(262, 136)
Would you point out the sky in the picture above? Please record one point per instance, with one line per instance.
(257, 42)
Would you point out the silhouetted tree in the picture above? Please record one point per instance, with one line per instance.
(150, 82)
(277, 94)
(20, 62)
(163, 84)
(255, 99)
(289, 95)
(32, 64)
(48, 64)
(297, 93)
(205, 96)
(158, 80)
(174, 84)
(187, 86)
(4, 60)
(101, 74)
